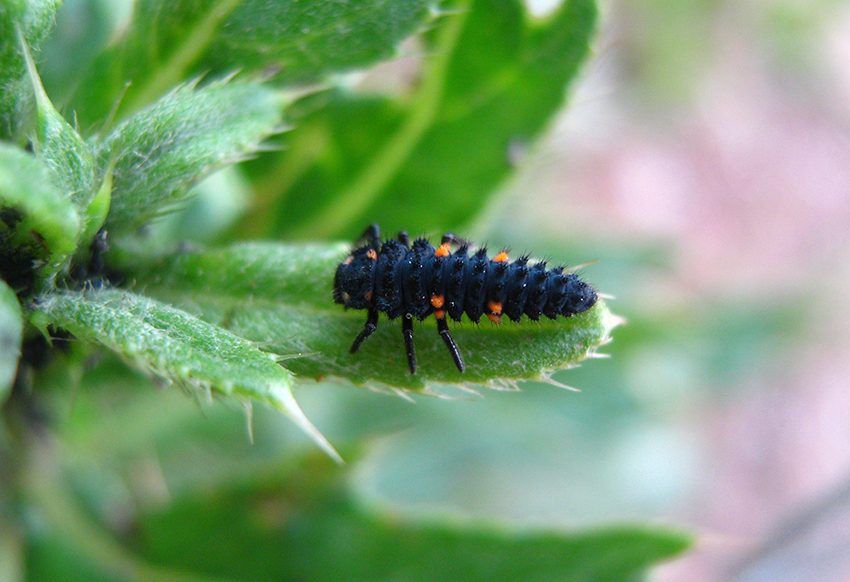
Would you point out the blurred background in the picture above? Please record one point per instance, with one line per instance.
(704, 162)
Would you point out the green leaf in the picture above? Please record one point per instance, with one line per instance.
(98, 208)
(303, 522)
(39, 223)
(12, 550)
(67, 157)
(34, 18)
(173, 345)
(11, 328)
(304, 528)
(281, 295)
(159, 153)
(494, 80)
(167, 44)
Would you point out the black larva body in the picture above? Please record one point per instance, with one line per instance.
(418, 280)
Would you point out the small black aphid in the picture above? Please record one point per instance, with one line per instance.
(418, 280)
(92, 271)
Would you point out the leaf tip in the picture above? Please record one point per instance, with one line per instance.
(286, 402)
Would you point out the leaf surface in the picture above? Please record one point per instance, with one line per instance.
(169, 43)
(67, 157)
(32, 20)
(159, 153)
(173, 345)
(281, 295)
(40, 225)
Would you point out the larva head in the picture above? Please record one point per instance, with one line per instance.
(354, 276)
(580, 296)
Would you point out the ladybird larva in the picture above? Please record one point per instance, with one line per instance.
(417, 280)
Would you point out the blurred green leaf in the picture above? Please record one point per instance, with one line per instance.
(83, 28)
(494, 79)
(11, 328)
(159, 153)
(168, 43)
(34, 19)
(309, 527)
(11, 554)
(173, 345)
(38, 223)
(281, 295)
(68, 540)
(301, 521)
(52, 557)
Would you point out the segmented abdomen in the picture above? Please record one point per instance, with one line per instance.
(424, 280)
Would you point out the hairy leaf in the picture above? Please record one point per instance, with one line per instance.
(168, 43)
(281, 295)
(492, 81)
(173, 345)
(40, 225)
(67, 157)
(159, 153)
(11, 328)
(34, 19)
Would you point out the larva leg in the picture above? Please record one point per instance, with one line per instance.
(451, 239)
(443, 328)
(403, 238)
(368, 329)
(372, 236)
(407, 330)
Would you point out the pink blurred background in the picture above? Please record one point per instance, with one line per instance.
(720, 129)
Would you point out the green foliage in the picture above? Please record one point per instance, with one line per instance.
(335, 538)
(66, 155)
(288, 308)
(159, 153)
(255, 512)
(31, 20)
(170, 344)
(473, 113)
(11, 326)
(40, 223)
(293, 41)
(188, 88)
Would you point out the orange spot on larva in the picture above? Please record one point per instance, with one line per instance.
(372, 254)
(437, 301)
(440, 314)
(495, 307)
(501, 257)
(444, 250)
(494, 318)
(368, 295)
